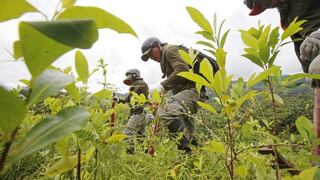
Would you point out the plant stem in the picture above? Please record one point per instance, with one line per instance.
(7, 146)
(276, 164)
(96, 164)
(79, 163)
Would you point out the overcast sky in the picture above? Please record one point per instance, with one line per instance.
(166, 19)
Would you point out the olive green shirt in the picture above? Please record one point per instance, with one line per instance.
(139, 87)
(171, 64)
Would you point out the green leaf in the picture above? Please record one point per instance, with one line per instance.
(115, 138)
(274, 37)
(102, 18)
(73, 91)
(214, 147)
(292, 78)
(253, 58)
(263, 38)
(43, 42)
(278, 99)
(242, 171)
(81, 65)
(293, 28)
(12, 111)
(262, 76)
(209, 45)
(308, 174)
(103, 94)
(206, 69)
(47, 84)
(264, 52)
(206, 35)
(249, 40)
(305, 128)
(50, 130)
(198, 18)
(194, 77)
(185, 56)
(207, 107)
(273, 58)
(17, 50)
(224, 38)
(10, 9)
(68, 3)
(221, 57)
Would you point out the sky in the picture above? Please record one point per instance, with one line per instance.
(166, 19)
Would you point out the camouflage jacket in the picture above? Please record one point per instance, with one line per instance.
(171, 64)
(139, 87)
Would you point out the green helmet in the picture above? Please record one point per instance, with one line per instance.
(134, 72)
(147, 45)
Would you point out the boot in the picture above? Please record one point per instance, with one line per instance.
(176, 127)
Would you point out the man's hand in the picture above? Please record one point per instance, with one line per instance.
(161, 90)
(115, 98)
(310, 48)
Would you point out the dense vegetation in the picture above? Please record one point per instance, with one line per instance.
(50, 135)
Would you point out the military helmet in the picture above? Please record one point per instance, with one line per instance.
(133, 72)
(147, 45)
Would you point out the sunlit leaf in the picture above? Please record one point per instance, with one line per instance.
(185, 56)
(47, 84)
(274, 37)
(194, 77)
(214, 147)
(224, 38)
(256, 60)
(10, 9)
(249, 40)
(17, 50)
(207, 107)
(103, 94)
(68, 3)
(278, 99)
(242, 171)
(305, 128)
(293, 28)
(43, 42)
(82, 67)
(50, 130)
(73, 91)
(209, 45)
(262, 76)
(102, 18)
(206, 70)
(198, 18)
(206, 35)
(12, 111)
(115, 138)
(221, 57)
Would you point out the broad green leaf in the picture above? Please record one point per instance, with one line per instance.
(264, 52)
(214, 147)
(249, 40)
(12, 111)
(43, 42)
(50, 130)
(68, 163)
(194, 77)
(256, 60)
(242, 171)
(278, 99)
(81, 65)
(292, 78)
(17, 50)
(62, 147)
(25, 81)
(115, 138)
(263, 38)
(305, 128)
(206, 35)
(103, 94)
(244, 98)
(273, 58)
(73, 91)
(185, 56)
(293, 28)
(102, 18)
(207, 107)
(218, 82)
(254, 32)
(47, 84)
(262, 76)
(209, 45)
(206, 70)
(274, 37)
(221, 57)
(308, 174)
(68, 3)
(10, 9)
(156, 97)
(198, 18)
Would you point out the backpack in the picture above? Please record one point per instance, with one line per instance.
(197, 61)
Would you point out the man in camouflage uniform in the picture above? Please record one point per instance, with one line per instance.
(136, 124)
(176, 113)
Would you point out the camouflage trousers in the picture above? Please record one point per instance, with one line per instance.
(136, 125)
(178, 111)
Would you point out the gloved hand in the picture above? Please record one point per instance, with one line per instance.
(115, 98)
(310, 48)
(161, 90)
